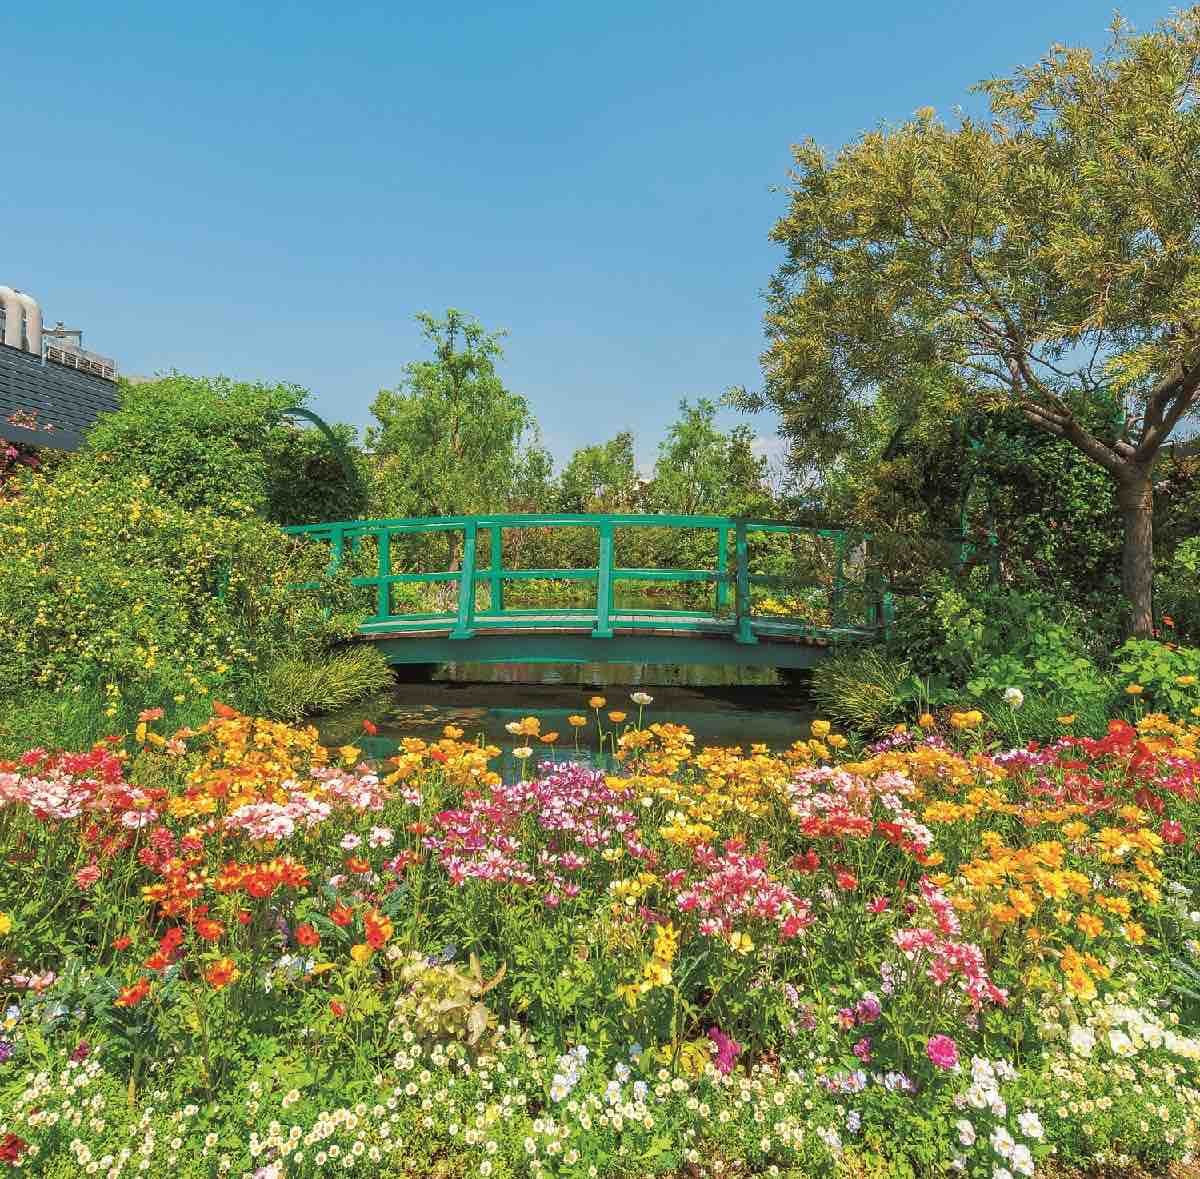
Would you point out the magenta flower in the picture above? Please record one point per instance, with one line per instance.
(728, 1050)
(942, 1051)
(862, 1049)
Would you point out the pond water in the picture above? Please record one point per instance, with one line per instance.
(721, 706)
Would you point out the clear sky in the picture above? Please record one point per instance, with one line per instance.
(272, 190)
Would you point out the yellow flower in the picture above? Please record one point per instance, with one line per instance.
(6, 924)
(597, 702)
(1185, 681)
(616, 717)
(361, 952)
(741, 942)
(577, 722)
(821, 728)
(837, 741)
(1135, 933)
(1069, 719)
(925, 720)
(1089, 925)
(1134, 689)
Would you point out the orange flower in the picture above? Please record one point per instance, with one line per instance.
(307, 936)
(221, 973)
(597, 702)
(370, 729)
(132, 996)
(223, 710)
(338, 1009)
(208, 929)
(341, 916)
(357, 864)
(616, 717)
(379, 928)
(122, 943)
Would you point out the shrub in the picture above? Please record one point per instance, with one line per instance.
(113, 589)
(202, 441)
(299, 685)
(861, 690)
(1168, 678)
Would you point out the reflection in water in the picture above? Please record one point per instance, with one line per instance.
(725, 711)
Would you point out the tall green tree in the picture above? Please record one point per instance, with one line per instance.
(1045, 256)
(701, 470)
(451, 439)
(601, 478)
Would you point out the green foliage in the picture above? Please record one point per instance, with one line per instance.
(1178, 592)
(862, 690)
(295, 686)
(986, 640)
(202, 441)
(443, 1003)
(1170, 676)
(601, 478)
(113, 589)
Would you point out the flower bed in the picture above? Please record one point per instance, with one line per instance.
(231, 951)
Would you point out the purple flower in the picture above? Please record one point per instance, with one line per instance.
(82, 1050)
(727, 1050)
(6, 1050)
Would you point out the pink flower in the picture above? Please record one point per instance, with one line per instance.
(728, 1050)
(942, 1051)
(87, 876)
(878, 905)
(862, 1049)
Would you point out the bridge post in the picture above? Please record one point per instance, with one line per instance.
(466, 584)
(383, 596)
(604, 585)
(837, 603)
(497, 603)
(743, 632)
(722, 568)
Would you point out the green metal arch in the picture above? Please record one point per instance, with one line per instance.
(343, 455)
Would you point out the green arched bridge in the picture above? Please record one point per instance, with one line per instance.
(728, 620)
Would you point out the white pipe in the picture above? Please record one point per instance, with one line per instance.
(14, 315)
(33, 323)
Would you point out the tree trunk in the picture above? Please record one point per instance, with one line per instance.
(1135, 494)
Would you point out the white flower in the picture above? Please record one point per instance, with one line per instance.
(1022, 1160)
(522, 752)
(1002, 1142)
(1120, 1043)
(977, 1097)
(1014, 697)
(642, 698)
(966, 1132)
(1030, 1124)
(1001, 1173)
(1082, 1040)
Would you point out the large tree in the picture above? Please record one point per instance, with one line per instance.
(1046, 255)
(451, 439)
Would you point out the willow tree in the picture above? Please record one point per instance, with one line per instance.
(1046, 256)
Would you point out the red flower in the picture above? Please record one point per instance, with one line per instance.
(1172, 832)
(379, 928)
(341, 916)
(307, 936)
(846, 880)
(244, 916)
(337, 1008)
(11, 1148)
(370, 729)
(132, 996)
(357, 864)
(122, 943)
(438, 754)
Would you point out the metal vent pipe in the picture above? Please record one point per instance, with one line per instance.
(22, 320)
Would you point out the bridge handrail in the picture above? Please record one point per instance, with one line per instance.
(606, 572)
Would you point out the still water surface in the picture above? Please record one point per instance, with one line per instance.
(721, 706)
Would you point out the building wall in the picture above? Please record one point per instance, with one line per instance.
(61, 397)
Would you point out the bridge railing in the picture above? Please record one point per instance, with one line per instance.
(853, 609)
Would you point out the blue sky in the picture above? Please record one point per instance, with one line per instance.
(271, 191)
